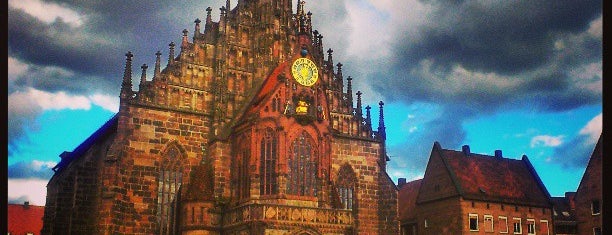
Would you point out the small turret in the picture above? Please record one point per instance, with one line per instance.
(185, 42)
(196, 32)
(208, 18)
(126, 85)
(358, 111)
(171, 54)
(143, 76)
(157, 71)
(368, 118)
(381, 123)
(349, 93)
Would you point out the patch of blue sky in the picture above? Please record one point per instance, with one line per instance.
(59, 131)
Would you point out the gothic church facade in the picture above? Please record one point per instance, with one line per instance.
(250, 129)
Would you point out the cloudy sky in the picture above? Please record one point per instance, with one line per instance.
(521, 76)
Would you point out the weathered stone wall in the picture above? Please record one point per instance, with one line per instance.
(150, 134)
(73, 194)
(371, 187)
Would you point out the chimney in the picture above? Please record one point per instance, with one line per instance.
(64, 154)
(401, 182)
(26, 204)
(498, 154)
(466, 150)
(569, 196)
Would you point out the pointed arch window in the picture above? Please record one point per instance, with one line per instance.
(345, 185)
(302, 167)
(168, 184)
(269, 157)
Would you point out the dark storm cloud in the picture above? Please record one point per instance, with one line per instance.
(527, 48)
(505, 37)
(95, 50)
(26, 170)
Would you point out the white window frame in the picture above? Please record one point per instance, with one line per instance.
(542, 222)
(520, 226)
(470, 216)
(492, 228)
(593, 211)
(534, 226)
(504, 218)
(425, 223)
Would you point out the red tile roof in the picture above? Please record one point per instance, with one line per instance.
(489, 178)
(407, 197)
(25, 219)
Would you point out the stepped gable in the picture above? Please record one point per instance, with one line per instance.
(490, 178)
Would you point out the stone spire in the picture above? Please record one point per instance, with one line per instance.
(349, 93)
(157, 71)
(143, 76)
(126, 85)
(197, 22)
(381, 123)
(185, 42)
(368, 118)
(330, 59)
(227, 5)
(359, 111)
(339, 77)
(171, 54)
(208, 15)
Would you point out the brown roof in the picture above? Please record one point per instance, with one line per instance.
(407, 197)
(24, 219)
(489, 178)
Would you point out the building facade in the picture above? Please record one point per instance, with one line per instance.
(564, 214)
(467, 193)
(250, 129)
(589, 195)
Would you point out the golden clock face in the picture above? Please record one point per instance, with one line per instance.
(305, 71)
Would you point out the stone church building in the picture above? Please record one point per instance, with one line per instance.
(250, 129)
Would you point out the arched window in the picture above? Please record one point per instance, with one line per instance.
(302, 167)
(269, 156)
(168, 183)
(345, 184)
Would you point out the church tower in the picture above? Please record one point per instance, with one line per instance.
(248, 130)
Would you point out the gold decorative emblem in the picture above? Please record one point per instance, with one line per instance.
(305, 71)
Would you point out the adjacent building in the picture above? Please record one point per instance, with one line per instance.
(589, 196)
(564, 214)
(467, 193)
(25, 219)
(251, 129)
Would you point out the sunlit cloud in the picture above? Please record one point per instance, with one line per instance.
(546, 141)
(48, 12)
(593, 128)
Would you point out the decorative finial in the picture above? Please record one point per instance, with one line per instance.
(329, 56)
(368, 118)
(381, 122)
(126, 85)
(349, 91)
(208, 16)
(197, 26)
(171, 54)
(157, 70)
(143, 77)
(359, 111)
